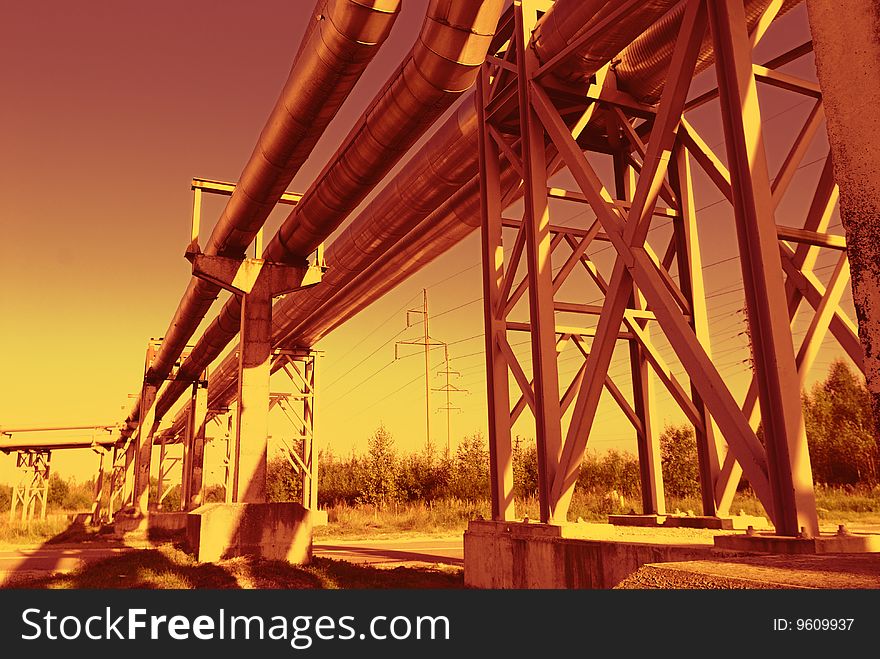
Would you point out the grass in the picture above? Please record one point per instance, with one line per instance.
(367, 521)
(451, 516)
(168, 567)
(840, 505)
(55, 528)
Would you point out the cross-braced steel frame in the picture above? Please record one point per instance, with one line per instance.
(32, 486)
(533, 126)
(297, 404)
(295, 399)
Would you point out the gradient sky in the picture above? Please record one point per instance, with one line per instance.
(110, 108)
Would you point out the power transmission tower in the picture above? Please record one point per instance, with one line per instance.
(449, 389)
(428, 343)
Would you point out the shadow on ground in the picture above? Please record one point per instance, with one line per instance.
(167, 565)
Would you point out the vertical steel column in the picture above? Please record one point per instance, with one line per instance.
(648, 442)
(778, 384)
(536, 225)
(128, 473)
(117, 482)
(252, 424)
(197, 422)
(161, 473)
(18, 489)
(497, 391)
(690, 276)
(231, 473)
(848, 65)
(96, 512)
(310, 394)
(43, 491)
(144, 455)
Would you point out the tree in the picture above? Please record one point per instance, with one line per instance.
(525, 467)
(840, 429)
(381, 478)
(58, 491)
(678, 457)
(282, 481)
(471, 475)
(339, 480)
(5, 497)
(423, 476)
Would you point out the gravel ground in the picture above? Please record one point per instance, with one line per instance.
(836, 571)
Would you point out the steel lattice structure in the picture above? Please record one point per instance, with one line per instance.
(534, 125)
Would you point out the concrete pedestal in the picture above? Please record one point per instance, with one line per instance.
(769, 543)
(530, 555)
(275, 531)
(151, 525)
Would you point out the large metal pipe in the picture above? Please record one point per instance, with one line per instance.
(304, 317)
(442, 64)
(341, 38)
(442, 167)
(644, 74)
(641, 69)
(392, 215)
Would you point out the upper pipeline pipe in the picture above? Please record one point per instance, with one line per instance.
(442, 166)
(639, 72)
(341, 38)
(443, 63)
(641, 69)
(440, 170)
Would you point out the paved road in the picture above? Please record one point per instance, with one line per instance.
(64, 558)
(448, 550)
(61, 558)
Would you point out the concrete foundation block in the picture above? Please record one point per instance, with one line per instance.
(153, 523)
(530, 555)
(274, 531)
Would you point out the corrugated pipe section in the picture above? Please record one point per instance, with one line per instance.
(341, 38)
(442, 64)
(569, 19)
(641, 69)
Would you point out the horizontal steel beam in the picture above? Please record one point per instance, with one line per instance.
(226, 189)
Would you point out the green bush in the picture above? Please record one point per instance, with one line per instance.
(678, 457)
(282, 482)
(840, 429)
(470, 476)
(5, 497)
(616, 470)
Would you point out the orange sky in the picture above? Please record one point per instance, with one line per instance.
(111, 108)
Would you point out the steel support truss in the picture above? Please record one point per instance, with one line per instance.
(99, 512)
(297, 404)
(186, 465)
(117, 491)
(32, 486)
(533, 127)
